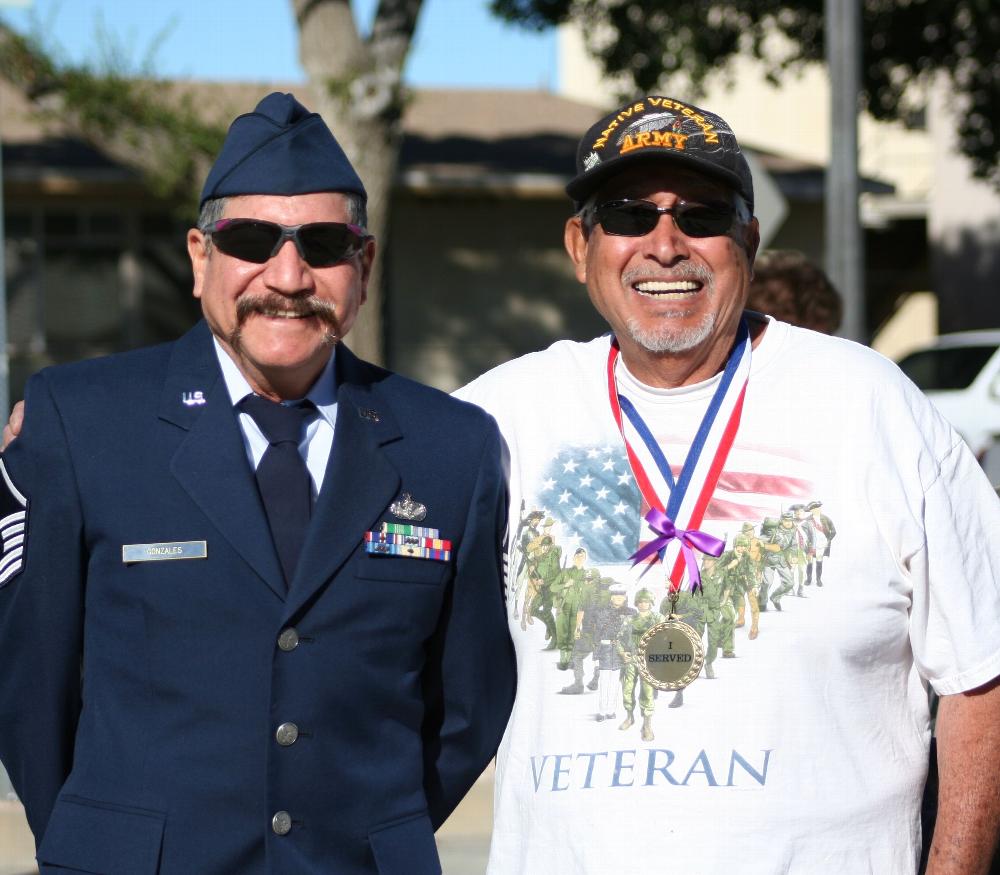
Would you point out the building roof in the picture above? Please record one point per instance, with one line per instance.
(518, 141)
(461, 141)
(524, 142)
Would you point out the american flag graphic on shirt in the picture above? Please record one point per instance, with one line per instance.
(590, 492)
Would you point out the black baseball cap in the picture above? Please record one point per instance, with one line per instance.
(657, 128)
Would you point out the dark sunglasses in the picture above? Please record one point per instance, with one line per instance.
(634, 218)
(320, 244)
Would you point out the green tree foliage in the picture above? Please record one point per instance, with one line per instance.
(904, 41)
(140, 120)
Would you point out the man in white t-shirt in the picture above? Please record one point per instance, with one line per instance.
(807, 751)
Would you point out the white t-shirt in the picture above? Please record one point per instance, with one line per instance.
(808, 751)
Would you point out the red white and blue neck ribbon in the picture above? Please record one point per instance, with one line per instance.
(675, 522)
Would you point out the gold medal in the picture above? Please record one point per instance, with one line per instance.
(670, 654)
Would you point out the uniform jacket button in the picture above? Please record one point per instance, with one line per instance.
(281, 823)
(287, 734)
(288, 640)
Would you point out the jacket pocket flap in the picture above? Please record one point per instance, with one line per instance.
(101, 837)
(402, 569)
(406, 848)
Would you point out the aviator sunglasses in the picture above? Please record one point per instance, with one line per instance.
(635, 218)
(320, 244)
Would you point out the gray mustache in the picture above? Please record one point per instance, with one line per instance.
(684, 271)
(301, 306)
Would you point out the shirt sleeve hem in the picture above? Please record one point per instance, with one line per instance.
(970, 679)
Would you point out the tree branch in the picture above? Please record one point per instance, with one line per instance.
(139, 123)
(392, 32)
(330, 47)
(662, 40)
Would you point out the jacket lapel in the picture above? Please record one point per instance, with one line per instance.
(360, 480)
(211, 461)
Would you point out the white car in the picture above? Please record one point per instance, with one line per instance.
(960, 373)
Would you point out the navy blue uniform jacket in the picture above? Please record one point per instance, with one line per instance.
(139, 702)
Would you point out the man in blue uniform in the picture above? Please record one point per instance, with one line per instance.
(251, 612)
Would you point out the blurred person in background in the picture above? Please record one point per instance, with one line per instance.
(787, 285)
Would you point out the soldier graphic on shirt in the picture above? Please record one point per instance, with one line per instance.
(777, 552)
(686, 606)
(750, 576)
(592, 594)
(798, 554)
(628, 642)
(603, 622)
(767, 527)
(569, 591)
(823, 532)
(709, 612)
(527, 532)
(744, 570)
(756, 553)
(544, 569)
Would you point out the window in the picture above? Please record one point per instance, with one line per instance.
(946, 368)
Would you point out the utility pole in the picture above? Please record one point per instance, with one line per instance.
(844, 243)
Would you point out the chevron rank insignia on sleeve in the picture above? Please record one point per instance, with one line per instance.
(13, 527)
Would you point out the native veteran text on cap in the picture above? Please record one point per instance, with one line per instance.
(659, 128)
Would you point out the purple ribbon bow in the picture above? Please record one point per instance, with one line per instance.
(690, 540)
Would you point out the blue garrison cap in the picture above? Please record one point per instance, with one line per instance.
(280, 148)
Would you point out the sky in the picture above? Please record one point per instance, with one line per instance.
(457, 43)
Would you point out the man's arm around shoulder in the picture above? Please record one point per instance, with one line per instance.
(41, 610)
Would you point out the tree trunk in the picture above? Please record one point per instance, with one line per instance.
(359, 92)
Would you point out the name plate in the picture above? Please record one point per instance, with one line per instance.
(166, 550)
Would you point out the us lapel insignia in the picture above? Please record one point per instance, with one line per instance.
(193, 399)
(407, 509)
(369, 414)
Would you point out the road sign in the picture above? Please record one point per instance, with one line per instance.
(770, 205)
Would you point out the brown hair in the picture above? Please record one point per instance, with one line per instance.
(789, 287)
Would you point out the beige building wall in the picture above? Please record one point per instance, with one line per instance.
(960, 203)
(913, 325)
(477, 281)
(17, 847)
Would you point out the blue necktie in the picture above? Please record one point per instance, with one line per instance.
(282, 476)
